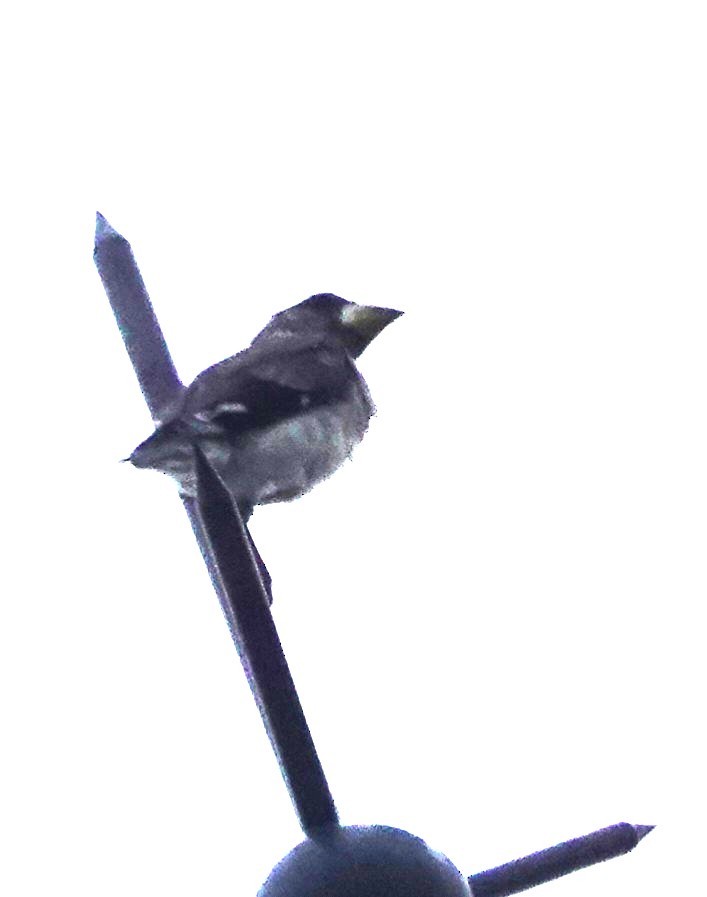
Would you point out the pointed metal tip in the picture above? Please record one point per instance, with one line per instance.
(104, 231)
(642, 830)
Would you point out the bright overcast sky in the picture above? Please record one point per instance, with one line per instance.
(494, 614)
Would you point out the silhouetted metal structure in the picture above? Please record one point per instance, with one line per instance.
(336, 861)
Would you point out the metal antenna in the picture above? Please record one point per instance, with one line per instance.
(351, 861)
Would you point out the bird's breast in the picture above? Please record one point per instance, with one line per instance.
(288, 458)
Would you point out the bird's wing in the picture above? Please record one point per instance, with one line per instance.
(269, 382)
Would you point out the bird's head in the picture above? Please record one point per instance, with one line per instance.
(354, 325)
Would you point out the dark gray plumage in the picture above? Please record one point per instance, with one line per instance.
(280, 416)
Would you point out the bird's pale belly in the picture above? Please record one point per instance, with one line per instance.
(287, 459)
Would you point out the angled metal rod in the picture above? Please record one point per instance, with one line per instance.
(136, 320)
(261, 652)
(160, 386)
(147, 349)
(144, 342)
(532, 870)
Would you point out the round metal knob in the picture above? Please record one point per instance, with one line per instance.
(365, 861)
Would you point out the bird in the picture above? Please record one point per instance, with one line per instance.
(280, 416)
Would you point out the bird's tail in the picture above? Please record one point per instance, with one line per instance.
(168, 449)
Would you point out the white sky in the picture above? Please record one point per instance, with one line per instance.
(494, 614)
